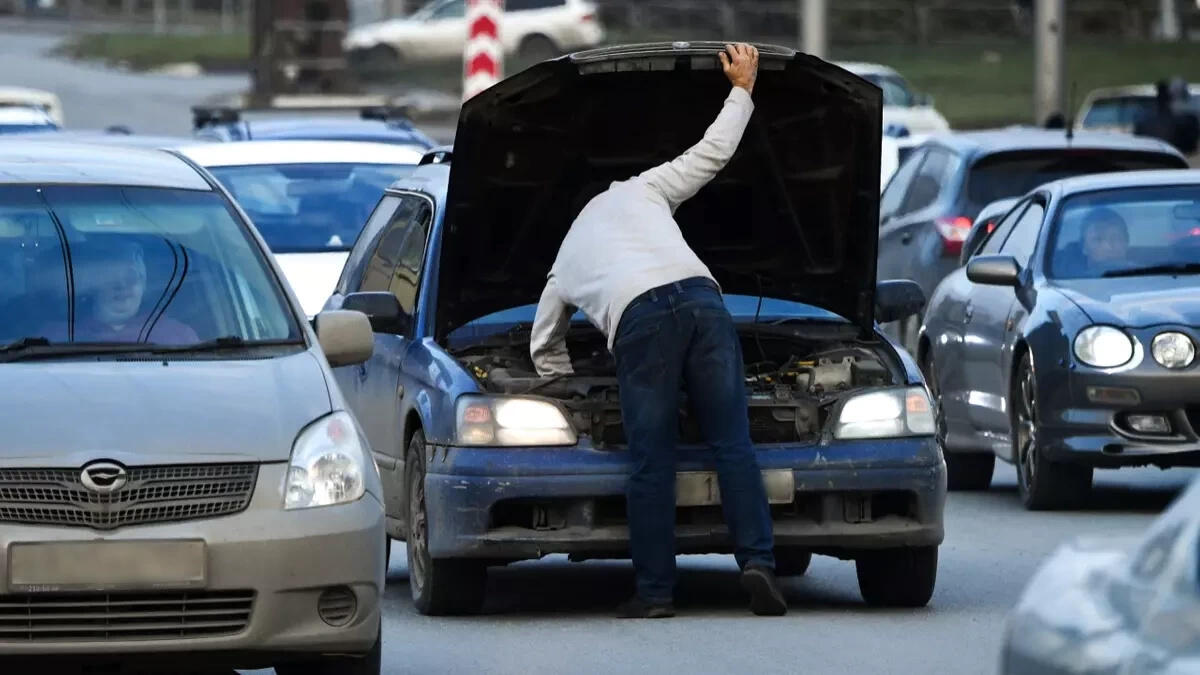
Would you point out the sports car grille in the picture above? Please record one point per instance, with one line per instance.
(152, 494)
(141, 616)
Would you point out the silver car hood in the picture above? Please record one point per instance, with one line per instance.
(67, 413)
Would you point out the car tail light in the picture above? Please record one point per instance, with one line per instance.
(590, 16)
(954, 232)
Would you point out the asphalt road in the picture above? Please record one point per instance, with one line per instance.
(554, 616)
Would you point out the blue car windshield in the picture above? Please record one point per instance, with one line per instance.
(1122, 232)
(741, 307)
(309, 208)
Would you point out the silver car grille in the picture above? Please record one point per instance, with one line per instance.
(115, 617)
(152, 494)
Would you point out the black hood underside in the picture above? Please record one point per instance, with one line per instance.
(793, 216)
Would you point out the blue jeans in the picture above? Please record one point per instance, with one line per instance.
(672, 337)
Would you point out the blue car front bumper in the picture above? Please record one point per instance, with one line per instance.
(518, 503)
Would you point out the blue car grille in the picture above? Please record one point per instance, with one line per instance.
(152, 494)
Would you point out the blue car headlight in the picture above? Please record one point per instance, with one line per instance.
(887, 413)
(1103, 347)
(511, 421)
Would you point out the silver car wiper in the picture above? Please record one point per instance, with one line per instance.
(1170, 268)
(218, 344)
(38, 347)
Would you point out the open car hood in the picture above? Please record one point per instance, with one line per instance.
(793, 216)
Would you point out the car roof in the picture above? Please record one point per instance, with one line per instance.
(251, 153)
(105, 137)
(861, 68)
(25, 115)
(48, 162)
(1139, 90)
(1032, 138)
(1123, 179)
(431, 179)
(333, 128)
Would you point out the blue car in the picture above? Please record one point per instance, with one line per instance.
(485, 463)
(375, 124)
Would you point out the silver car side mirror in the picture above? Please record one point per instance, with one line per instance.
(345, 337)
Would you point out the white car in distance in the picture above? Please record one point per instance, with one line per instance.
(532, 29)
(308, 199)
(902, 107)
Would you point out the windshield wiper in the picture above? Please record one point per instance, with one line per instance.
(1170, 268)
(35, 347)
(221, 343)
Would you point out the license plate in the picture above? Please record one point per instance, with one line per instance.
(700, 488)
(106, 565)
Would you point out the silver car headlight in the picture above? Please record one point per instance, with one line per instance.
(1103, 347)
(888, 413)
(328, 465)
(1173, 350)
(511, 421)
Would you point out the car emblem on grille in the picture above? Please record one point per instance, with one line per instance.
(104, 477)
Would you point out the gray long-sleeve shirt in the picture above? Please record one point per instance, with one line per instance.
(626, 241)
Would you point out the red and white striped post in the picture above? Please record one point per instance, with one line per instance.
(483, 59)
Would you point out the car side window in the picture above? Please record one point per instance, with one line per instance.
(1024, 237)
(995, 240)
(524, 5)
(454, 9)
(893, 195)
(406, 277)
(377, 276)
(928, 183)
(352, 271)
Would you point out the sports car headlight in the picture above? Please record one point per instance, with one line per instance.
(1103, 347)
(1173, 350)
(885, 414)
(485, 420)
(328, 466)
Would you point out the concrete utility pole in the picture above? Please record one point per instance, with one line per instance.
(814, 25)
(1048, 60)
(1168, 20)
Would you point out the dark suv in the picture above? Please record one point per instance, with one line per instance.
(928, 207)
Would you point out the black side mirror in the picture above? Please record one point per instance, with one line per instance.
(898, 299)
(382, 308)
(994, 270)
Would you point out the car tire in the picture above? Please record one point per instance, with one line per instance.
(897, 577)
(792, 562)
(439, 586)
(537, 48)
(1043, 484)
(370, 663)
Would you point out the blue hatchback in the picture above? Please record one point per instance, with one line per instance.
(485, 463)
(376, 124)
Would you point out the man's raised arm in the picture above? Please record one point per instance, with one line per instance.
(681, 178)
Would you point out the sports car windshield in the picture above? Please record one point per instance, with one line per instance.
(308, 208)
(126, 266)
(1128, 232)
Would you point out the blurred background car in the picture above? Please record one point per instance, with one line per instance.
(928, 207)
(1068, 342)
(533, 29)
(894, 150)
(902, 107)
(376, 124)
(25, 97)
(1114, 605)
(1119, 108)
(308, 199)
(25, 120)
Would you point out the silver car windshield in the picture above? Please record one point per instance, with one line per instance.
(131, 265)
(309, 208)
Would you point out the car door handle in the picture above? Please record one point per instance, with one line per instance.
(968, 312)
(906, 239)
(362, 372)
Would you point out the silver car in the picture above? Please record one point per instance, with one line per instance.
(179, 479)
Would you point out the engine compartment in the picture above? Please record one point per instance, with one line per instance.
(792, 381)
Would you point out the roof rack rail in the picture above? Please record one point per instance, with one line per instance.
(439, 155)
(386, 113)
(204, 116)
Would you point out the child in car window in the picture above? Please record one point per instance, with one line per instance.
(1103, 245)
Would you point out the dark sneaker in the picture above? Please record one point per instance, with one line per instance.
(765, 597)
(637, 608)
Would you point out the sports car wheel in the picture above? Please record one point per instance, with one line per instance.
(1043, 484)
